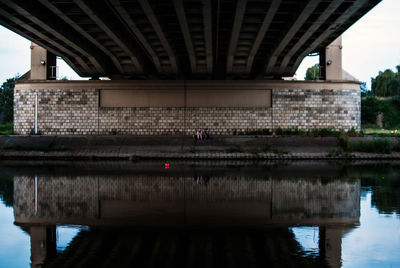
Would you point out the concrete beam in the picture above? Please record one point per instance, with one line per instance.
(330, 245)
(136, 33)
(95, 11)
(166, 85)
(237, 25)
(207, 22)
(345, 16)
(43, 43)
(301, 19)
(160, 34)
(62, 15)
(261, 33)
(180, 12)
(333, 60)
(311, 30)
(41, 63)
(43, 244)
(30, 11)
(61, 50)
(217, 39)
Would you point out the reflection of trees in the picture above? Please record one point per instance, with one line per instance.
(385, 184)
(383, 177)
(6, 190)
(372, 174)
(386, 199)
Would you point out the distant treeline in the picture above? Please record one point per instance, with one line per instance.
(386, 83)
(7, 100)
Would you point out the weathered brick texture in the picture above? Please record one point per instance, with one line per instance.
(309, 108)
(77, 111)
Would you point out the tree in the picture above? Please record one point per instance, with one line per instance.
(364, 90)
(386, 83)
(7, 100)
(312, 73)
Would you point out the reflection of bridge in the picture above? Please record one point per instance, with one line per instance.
(174, 202)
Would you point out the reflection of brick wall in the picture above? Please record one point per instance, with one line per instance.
(296, 199)
(180, 188)
(24, 197)
(58, 197)
(73, 197)
(77, 111)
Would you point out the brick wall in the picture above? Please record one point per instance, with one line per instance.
(77, 111)
(312, 108)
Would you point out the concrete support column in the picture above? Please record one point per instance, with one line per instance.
(331, 61)
(330, 245)
(43, 64)
(43, 243)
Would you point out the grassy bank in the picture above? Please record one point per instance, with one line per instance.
(6, 129)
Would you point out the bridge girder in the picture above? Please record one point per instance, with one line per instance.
(175, 39)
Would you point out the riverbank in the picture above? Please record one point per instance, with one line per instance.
(181, 147)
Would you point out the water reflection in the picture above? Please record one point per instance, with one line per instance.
(193, 214)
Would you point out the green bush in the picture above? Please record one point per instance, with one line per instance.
(258, 132)
(235, 149)
(396, 146)
(280, 151)
(381, 146)
(337, 151)
(7, 100)
(344, 142)
(6, 129)
(371, 106)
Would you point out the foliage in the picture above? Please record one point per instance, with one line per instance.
(386, 83)
(323, 132)
(380, 132)
(371, 106)
(6, 129)
(381, 146)
(369, 110)
(312, 73)
(7, 100)
(235, 149)
(318, 132)
(344, 142)
(364, 90)
(258, 132)
(386, 199)
(7, 190)
(396, 146)
(280, 151)
(336, 151)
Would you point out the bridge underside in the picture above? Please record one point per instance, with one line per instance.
(196, 39)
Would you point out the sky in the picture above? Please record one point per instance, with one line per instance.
(371, 45)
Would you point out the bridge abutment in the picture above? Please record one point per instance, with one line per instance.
(180, 107)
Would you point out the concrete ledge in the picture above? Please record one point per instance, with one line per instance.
(177, 147)
(194, 84)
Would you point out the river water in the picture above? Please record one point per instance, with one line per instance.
(199, 214)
